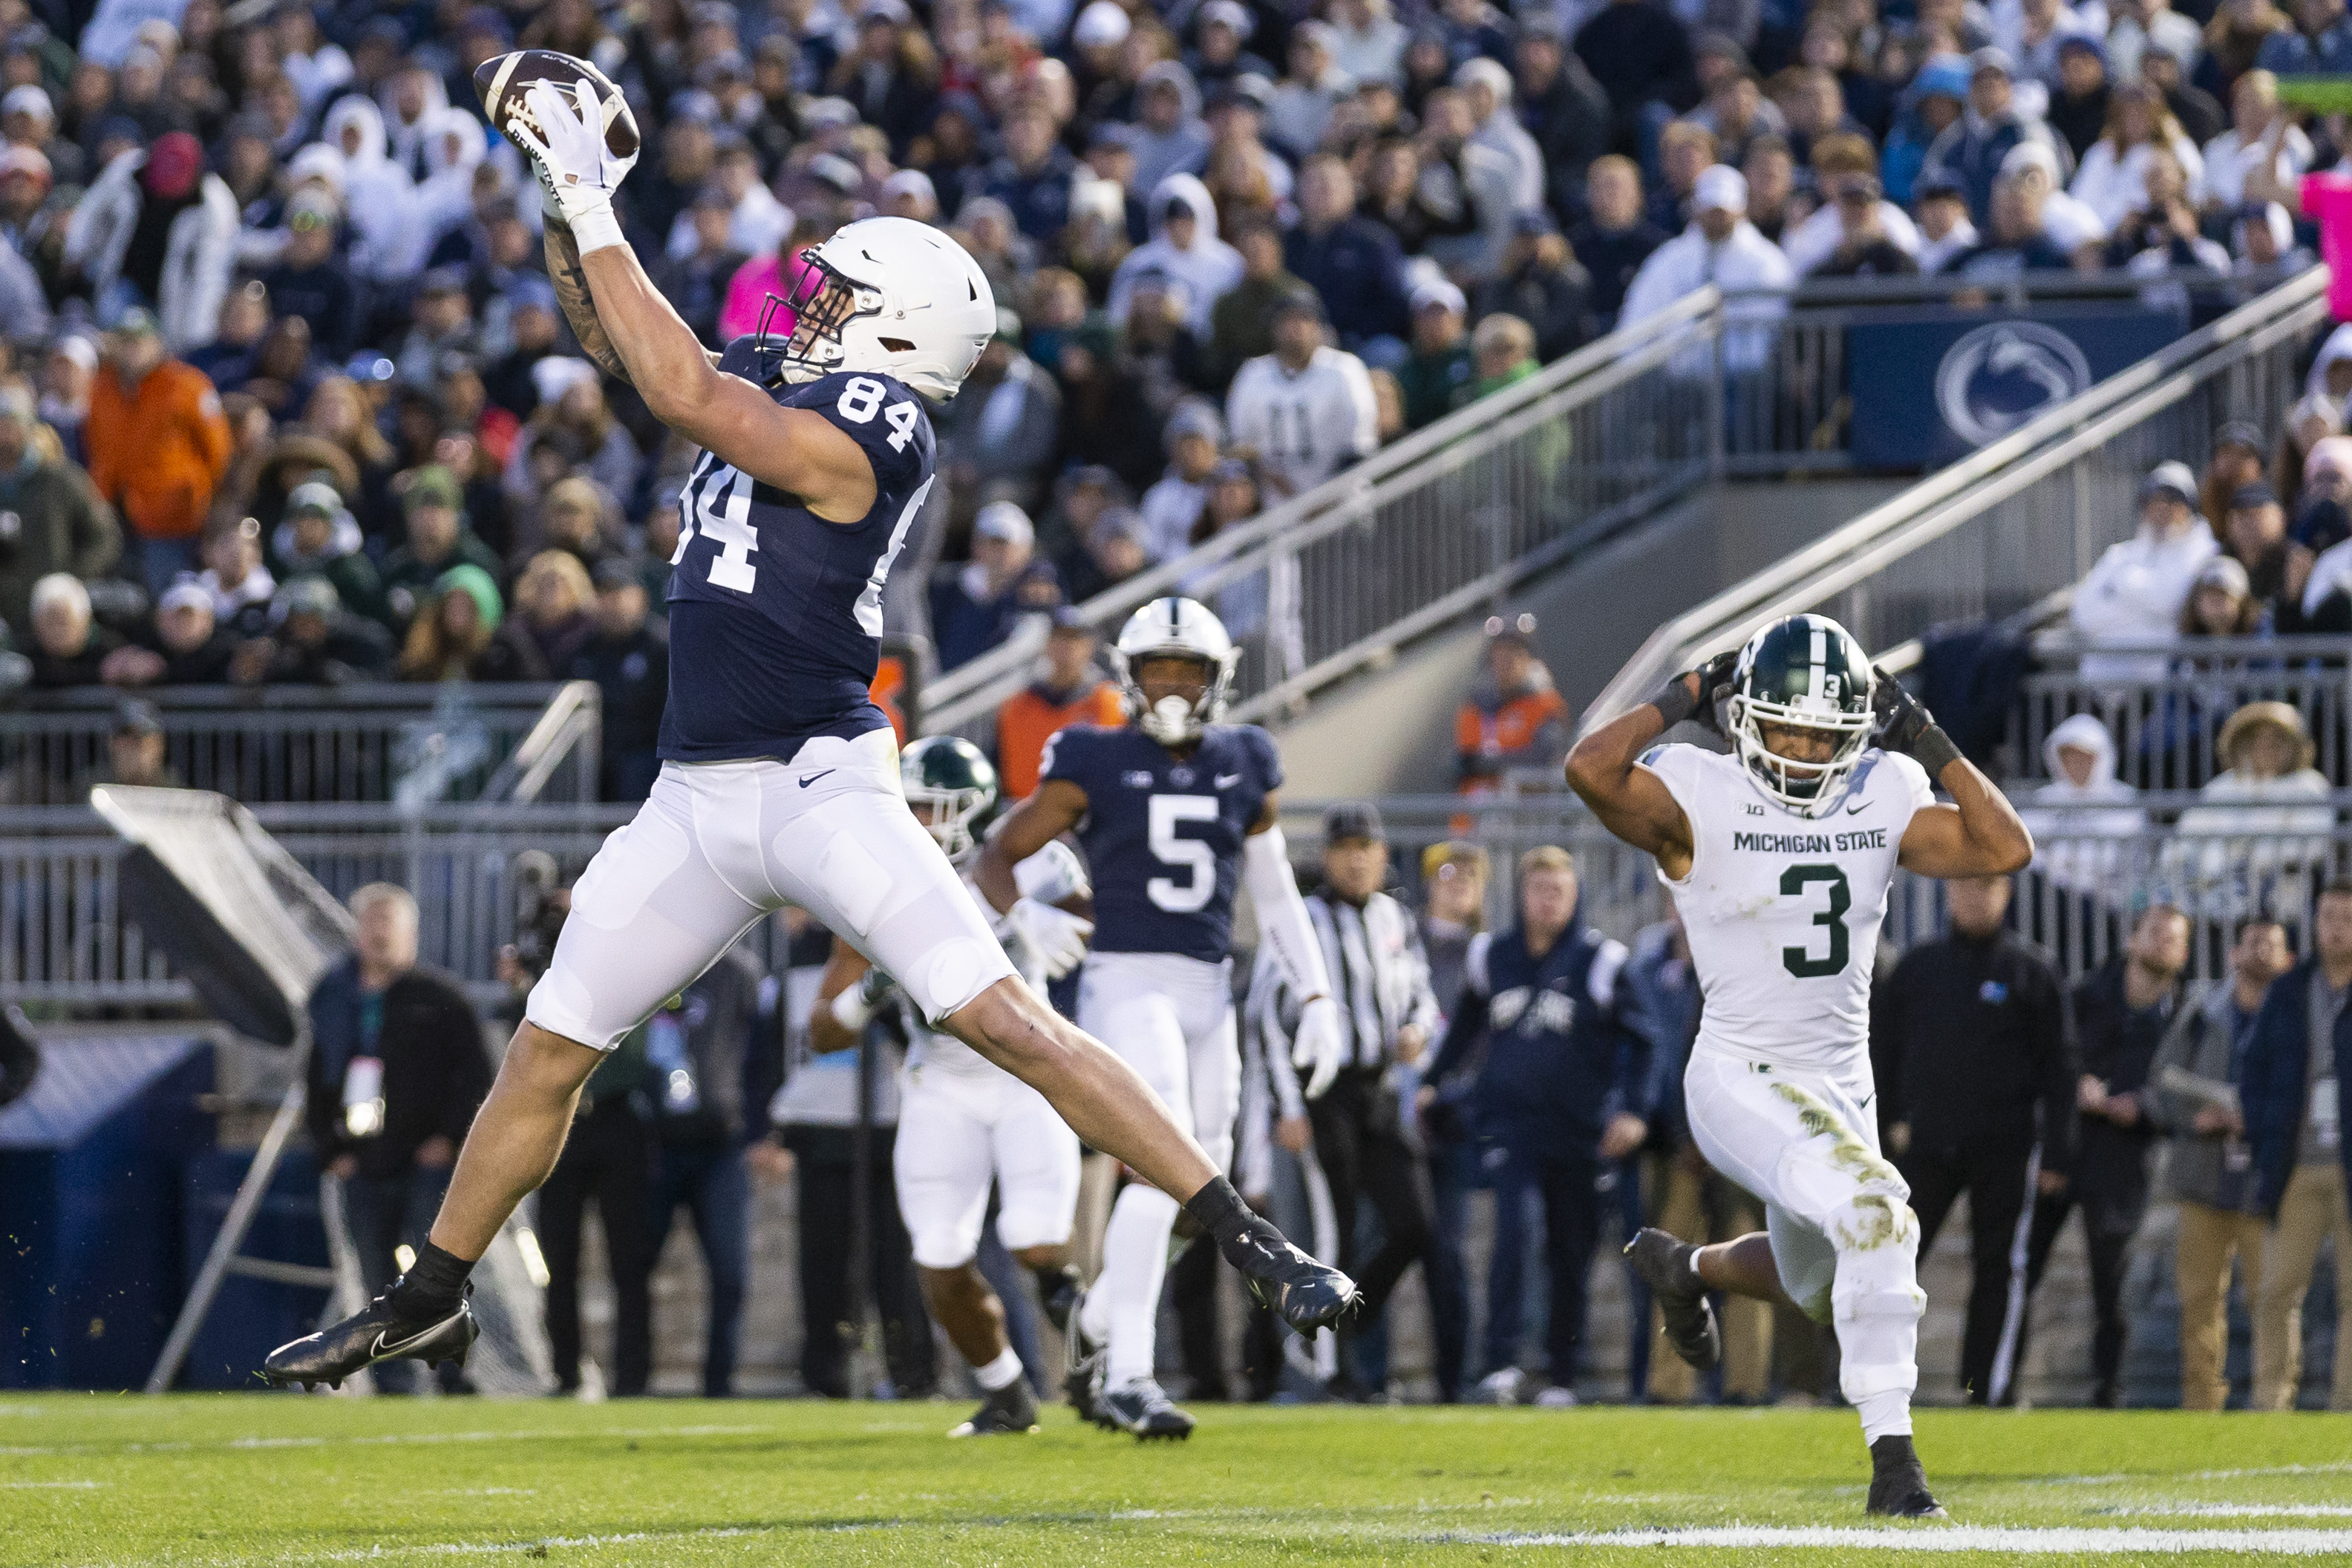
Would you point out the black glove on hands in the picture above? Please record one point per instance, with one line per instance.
(1713, 682)
(1901, 717)
(1675, 702)
(1904, 725)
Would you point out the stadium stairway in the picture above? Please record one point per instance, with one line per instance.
(1391, 731)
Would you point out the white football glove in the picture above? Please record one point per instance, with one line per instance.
(1319, 1046)
(1058, 936)
(575, 166)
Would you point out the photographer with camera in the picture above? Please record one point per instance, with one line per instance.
(396, 1068)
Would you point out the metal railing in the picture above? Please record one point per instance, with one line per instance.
(2087, 882)
(1795, 415)
(1433, 526)
(2165, 703)
(359, 743)
(65, 942)
(2023, 516)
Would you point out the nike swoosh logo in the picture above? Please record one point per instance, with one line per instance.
(1227, 781)
(1852, 809)
(378, 1351)
(813, 777)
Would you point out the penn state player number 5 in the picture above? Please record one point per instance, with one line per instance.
(1197, 860)
(1799, 962)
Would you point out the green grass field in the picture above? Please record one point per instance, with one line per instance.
(117, 1478)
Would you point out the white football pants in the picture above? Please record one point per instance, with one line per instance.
(957, 1131)
(717, 846)
(1171, 1019)
(1844, 1235)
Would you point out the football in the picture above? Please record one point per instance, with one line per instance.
(502, 80)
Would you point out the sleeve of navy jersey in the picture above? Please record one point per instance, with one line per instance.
(1163, 833)
(776, 617)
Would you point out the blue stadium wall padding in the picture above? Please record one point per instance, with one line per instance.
(250, 1317)
(91, 1268)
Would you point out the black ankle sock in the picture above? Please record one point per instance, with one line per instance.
(1221, 1211)
(433, 1286)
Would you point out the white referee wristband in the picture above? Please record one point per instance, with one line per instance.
(597, 229)
(850, 1011)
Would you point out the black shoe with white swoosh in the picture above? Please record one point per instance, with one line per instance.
(377, 1333)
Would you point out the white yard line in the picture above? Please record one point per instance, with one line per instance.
(2240, 1509)
(1955, 1538)
(2117, 1479)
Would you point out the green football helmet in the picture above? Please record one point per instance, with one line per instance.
(1805, 672)
(948, 774)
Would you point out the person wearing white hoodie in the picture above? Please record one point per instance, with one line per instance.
(2083, 819)
(378, 198)
(454, 146)
(2134, 593)
(1185, 246)
(1722, 248)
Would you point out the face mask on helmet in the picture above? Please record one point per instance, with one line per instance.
(1174, 718)
(823, 302)
(1831, 721)
(957, 818)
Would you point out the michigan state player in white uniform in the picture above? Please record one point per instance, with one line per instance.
(1175, 812)
(964, 1122)
(1779, 857)
(780, 780)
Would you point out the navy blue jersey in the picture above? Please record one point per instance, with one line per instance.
(775, 614)
(1163, 833)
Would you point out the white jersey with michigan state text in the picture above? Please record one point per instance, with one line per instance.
(1049, 875)
(1783, 911)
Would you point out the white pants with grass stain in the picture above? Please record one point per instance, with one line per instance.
(1843, 1236)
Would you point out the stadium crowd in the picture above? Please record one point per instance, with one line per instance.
(287, 388)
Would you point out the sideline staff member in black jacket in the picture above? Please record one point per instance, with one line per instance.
(396, 1068)
(2122, 1010)
(1970, 1044)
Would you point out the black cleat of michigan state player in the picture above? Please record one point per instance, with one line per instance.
(780, 780)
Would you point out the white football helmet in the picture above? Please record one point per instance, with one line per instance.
(1175, 628)
(887, 294)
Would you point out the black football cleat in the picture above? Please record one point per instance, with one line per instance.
(1143, 1408)
(377, 1333)
(1010, 1410)
(1062, 1300)
(1898, 1483)
(1663, 1264)
(1305, 1294)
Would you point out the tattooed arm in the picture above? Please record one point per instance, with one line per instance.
(570, 282)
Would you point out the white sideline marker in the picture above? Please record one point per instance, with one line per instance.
(1955, 1538)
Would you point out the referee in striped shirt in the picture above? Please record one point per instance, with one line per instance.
(1357, 1130)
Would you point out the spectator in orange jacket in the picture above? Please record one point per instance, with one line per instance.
(158, 448)
(1514, 717)
(1070, 690)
